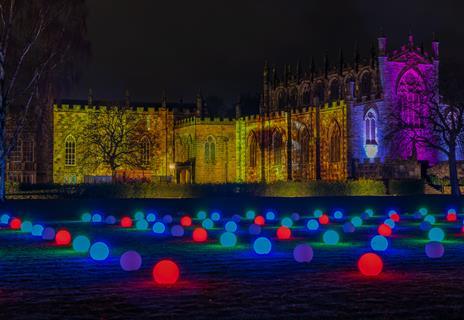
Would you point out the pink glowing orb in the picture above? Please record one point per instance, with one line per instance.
(130, 261)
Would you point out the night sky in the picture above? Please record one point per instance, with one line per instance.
(219, 47)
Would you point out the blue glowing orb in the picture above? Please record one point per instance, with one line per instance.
(236, 218)
(356, 221)
(151, 217)
(97, 218)
(379, 243)
(110, 220)
(37, 230)
(436, 234)
(215, 216)
(425, 226)
(201, 215)
(270, 215)
(262, 246)
(159, 227)
(48, 233)
(26, 226)
(228, 239)
(130, 261)
(389, 222)
(167, 219)
(99, 251)
(452, 211)
(231, 226)
(391, 212)
(287, 222)
(312, 225)
(177, 231)
(141, 224)
(318, 213)
(254, 229)
(81, 244)
(303, 253)
(434, 250)
(430, 219)
(208, 224)
(139, 215)
(331, 237)
(86, 217)
(295, 216)
(338, 215)
(369, 212)
(348, 227)
(250, 214)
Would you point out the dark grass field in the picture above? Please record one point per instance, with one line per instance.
(39, 280)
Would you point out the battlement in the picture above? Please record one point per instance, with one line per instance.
(85, 108)
(202, 121)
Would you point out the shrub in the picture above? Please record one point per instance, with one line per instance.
(365, 187)
(406, 187)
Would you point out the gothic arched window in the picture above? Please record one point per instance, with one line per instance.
(366, 84)
(253, 150)
(277, 147)
(335, 144)
(371, 128)
(410, 93)
(304, 141)
(145, 150)
(70, 151)
(210, 150)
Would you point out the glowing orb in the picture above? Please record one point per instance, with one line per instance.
(389, 222)
(199, 235)
(185, 221)
(284, 233)
(425, 226)
(201, 215)
(395, 217)
(338, 215)
(254, 229)
(250, 214)
(126, 222)
(216, 216)
(262, 246)
(324, 219)
(356, 221)
(48, 233)
(97, 218)
(436, 234)
(130, 261)
(15, 224)
(270, 215)
(434, 250)
(26, 226)
(260, 221)
(452, 211)
(37, 230)
(166, 272)
(417, 215)
(177, 231)
(236, 218)
(228, 239)
(287, 222)
(384, 230)
(379, 243)
(295, 216)
(348, 227)
(231, 226)
(141, 224)
(317, 213)
(331, 237)
(423, 211)
(158, 227)
(430, 219)
(63, 237)
(370, 264)
(312, 225)
(4, 218)
(303, 253)
(139, 215)
(369, 212)
(110, 220)
(167, 219)
(151, 217)
(451, 217)
(99, 251)
(86, 217)
(207, 224)
(81, 244)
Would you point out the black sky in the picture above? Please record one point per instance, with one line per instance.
(219, 46)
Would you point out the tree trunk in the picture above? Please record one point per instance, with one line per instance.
(453, 171)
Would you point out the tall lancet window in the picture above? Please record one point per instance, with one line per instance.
(370, 123)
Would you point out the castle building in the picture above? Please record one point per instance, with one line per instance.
(312, 124)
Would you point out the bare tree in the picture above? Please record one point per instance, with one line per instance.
(40, 43)
(114, 138)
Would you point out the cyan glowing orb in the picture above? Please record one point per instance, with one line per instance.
(110, 220)
(356, 221)
(207, 224)
(81, 244)
(151, 217)
(423, 211)
(452, 211)
(434, 250)
(139, 215)
(389, 222)
(436, 234)
(331, 237)
(379, 243)
(37, 230)
(26, 226)
(130, 261)
(48, 233)
(228, 239)
(270, 215)
(97, 218)
(167, 219)
(158, 227)
(338, 215)
(177, 231)
(303, 253)
(201, 215)
(86, 217)
(348, 227)
(312, 225)
(391, 212)
(231, 226)
(5, 218)
(215, 216)
(254, 229)
(287, 222)
(262, 246)
(141, 224)
(250, 214)
(99, 251)
(318, 213)
(430, 219)
(369, 212)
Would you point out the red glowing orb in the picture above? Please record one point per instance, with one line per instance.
(384, 230)
(15, 224)
(63, 238)
(370, 264)
(166, 272)
(185, 221)
(284, 233)
(126, 222)
(324, 219)
(451, 217)
(462, 229)
(200, 235)
(260, 221)
(395, 217)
